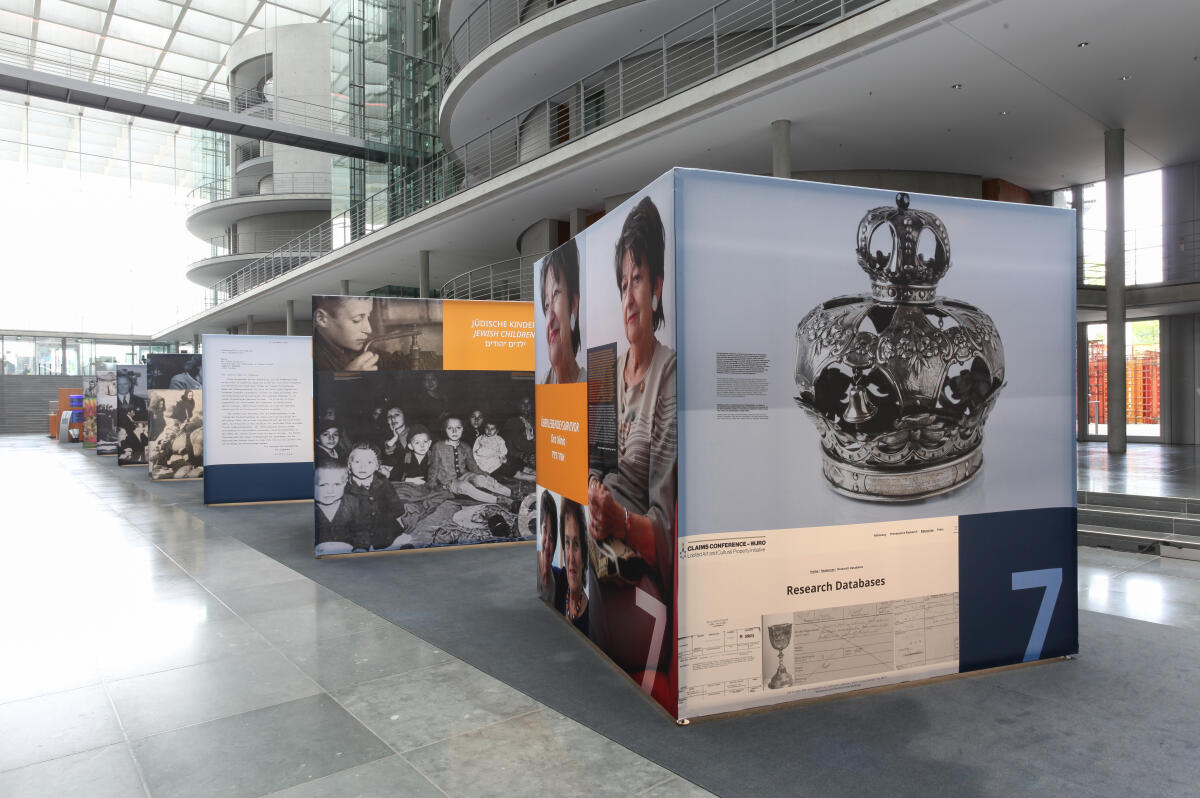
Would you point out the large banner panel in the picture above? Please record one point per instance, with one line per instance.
(607, 407)
(257, 433)
(176, 448)
(813, 465)
(106, 412)
(424, 427)
(133, 415)
(88, 435)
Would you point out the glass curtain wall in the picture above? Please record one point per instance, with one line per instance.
(42, 355)
(385, 87)
(1143, 229)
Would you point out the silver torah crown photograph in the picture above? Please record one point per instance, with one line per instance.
(899, 381)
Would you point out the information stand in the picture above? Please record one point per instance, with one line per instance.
(806, 446)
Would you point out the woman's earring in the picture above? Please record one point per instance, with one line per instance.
(654, 303)
(572, 321)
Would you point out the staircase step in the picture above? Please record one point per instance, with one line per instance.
(1141, 520)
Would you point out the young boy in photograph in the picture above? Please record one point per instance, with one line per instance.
(341, 329)
(340, 528)
(453, 467)
(381, 506)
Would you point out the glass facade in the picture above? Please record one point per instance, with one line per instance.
(1143, 229)
(384, 84)
(43, 355)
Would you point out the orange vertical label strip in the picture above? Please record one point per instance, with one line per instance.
(562, 440)
(487, 336)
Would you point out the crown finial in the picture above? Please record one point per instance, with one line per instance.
(904, 251)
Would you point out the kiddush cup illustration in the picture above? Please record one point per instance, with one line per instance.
(780, 635)
(899, 382)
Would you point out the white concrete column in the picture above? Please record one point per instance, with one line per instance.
(781, 148)
(1077, 205)
(195, 343)
(345, 288)
(250, 324)
(578, 221)
(423, 274)
(1114, 283)
(289, 319)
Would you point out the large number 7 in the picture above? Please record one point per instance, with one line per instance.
(1051, 579)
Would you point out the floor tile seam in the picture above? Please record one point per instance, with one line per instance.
(493, 723)
(453, 660)
(243, 711)
(1174, 576)
(423, 774)
(672, 775)
(4, 771)
(544, 708)
(137, 766)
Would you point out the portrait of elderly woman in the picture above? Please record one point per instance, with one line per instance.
(561, 309)
(632, 507)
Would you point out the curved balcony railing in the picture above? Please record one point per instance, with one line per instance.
(244, 243)
(250, 150)
(487, 23)
(506, 280)
(726, 36)
(278, 183)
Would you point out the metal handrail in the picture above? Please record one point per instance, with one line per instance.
(277, 183)
(1146, 261)
(102, 70)
(484, 25)
(505, 280)
(250, 150)
(245, 243)
(728, 35)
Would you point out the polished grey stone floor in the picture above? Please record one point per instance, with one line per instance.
(1146, 469)
(147, 653)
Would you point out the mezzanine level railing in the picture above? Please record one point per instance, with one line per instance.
(726, 36)
(508, 280)
(245, 243)
(277, 183)
(484, 25)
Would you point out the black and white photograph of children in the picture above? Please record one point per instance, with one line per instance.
(133, 416)
(176, 446)
(400, 463)
(353, 333)
(106, 412)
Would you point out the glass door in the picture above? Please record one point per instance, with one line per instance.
(1143, 381)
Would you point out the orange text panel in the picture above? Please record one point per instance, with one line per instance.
(562, 454)
(487, 336)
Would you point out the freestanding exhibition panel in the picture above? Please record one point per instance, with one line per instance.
(133, 415)
(176, 447)
(805, 450)
(106, 412)
(88, 435)
(257, 438)
(424, 423)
